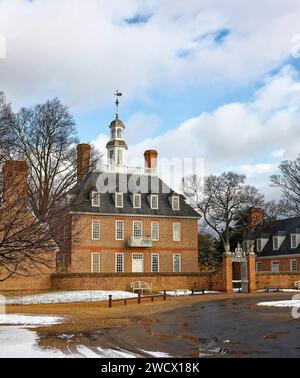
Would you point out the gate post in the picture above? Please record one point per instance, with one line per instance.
(251, 271)
(227, 272)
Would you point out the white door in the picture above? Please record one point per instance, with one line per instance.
(137, 262)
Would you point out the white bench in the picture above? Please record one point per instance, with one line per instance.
(141, 286)
(297, 285)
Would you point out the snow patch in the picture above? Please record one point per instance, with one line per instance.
(156, 354)
(29, 319)
(289, 303)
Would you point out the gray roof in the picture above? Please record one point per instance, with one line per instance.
(81, 196)
(283, 227)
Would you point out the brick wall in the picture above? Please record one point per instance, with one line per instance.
(107, 246)
(284, 263)
(41, 282)
(283, 280)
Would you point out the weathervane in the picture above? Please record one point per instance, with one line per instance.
(117, 94)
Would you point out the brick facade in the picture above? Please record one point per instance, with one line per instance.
(265, 264)
(81, 252)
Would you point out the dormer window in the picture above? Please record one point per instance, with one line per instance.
(258, 245)
(175, 203)
(119, 200)
(119, 134)
(95, 199)
(136, 201)
(154, 201)
(294, 241)
(275, 243)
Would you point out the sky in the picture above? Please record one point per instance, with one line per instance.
(211, 79)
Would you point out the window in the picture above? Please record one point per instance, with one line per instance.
(96, 230)
(119, 230)
(95, 199)
(177, 262)
(155, 262)
(293, 241)
(113, 134)
(154, 201)
(175, 203)
(275, 243)
(137, 201)
(95, 262)
(258, 245)
(275, 266)
(293, 265)
(119, 161)
(258, 266)
(176, 232)
(155, 231)
(137, 229)
(119, 262)
(111, 155)
(119, 134)
(119, 199)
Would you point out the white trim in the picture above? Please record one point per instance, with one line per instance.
(294, 247)
(275, 238)
(174, 232)
(291, 262)
(158, 262)
(92, 261)
(141, 223)
(96, 195)
(123, 262)
(137, 195)
(174, 254)
(99, 223)
(142, 259)
(116, 200)
(173, 207)
(131, 215)
(151, 199)
(156, 222)
(116, 229)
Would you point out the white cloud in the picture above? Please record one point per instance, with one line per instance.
(239, 136)
(81, 51)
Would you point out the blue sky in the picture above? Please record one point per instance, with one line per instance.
(217, 79)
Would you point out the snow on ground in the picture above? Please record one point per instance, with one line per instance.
(156, 354)
(184, 292)
(29, 319)
(290, 303)
(280, 290)
(68, 296)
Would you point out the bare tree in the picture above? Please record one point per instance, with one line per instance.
(221, 200)
(289, 182)
(46, 139)
(6, 134)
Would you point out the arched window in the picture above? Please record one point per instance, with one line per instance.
(119, 134)
(113, 134)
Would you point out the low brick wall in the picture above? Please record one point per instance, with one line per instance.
(121, 281)
(41, 282)
(284, 280)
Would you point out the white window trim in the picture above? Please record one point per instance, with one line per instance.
(257, 244)
(173, 201)
(257, 264)
(140, 201)
(123, 262)
(179, 254)
(99, 222)
(154, 222)
(275, 261)
(291, 264)
(275, 238)
(96, 195)
(116, 228)
(151, 200)
(293, 235)
(141, 223)
(174, 232)
(92, 261)
(116, 202)
(158, 262)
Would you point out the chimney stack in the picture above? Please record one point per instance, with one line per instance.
(15, 180)
(255, 217)
(151, 159)
(83, 160)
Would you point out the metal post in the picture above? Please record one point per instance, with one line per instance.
(125, 302)
(152, 298)
(165, 295)
(139, 297)
(110, 301)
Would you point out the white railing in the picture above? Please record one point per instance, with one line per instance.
(121, 169)
(145, 242)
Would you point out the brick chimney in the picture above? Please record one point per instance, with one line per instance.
(15, 180)
(151, 158)
(255, 217)
(83, 160)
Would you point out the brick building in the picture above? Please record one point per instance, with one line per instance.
(276, 244)
(127, 219)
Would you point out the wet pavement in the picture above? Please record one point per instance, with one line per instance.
(227, 328)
